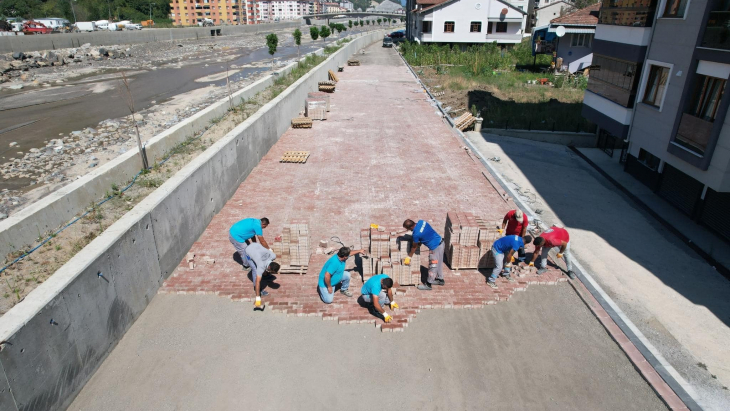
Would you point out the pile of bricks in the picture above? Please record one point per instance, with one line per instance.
(292, 248)
(315, 108)
(320, 96)
(387, 249)
(468, 240)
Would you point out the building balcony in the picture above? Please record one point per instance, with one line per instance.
(504, 37)
(611, 92)
(717, 31)
(694, 133)
(626, 16)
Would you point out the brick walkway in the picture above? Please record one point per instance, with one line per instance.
(382, 156)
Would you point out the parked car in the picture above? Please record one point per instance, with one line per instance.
(397, 36)
(85, 26)
(114, 27)
(133, 26)
(102, 24)
(387, 42)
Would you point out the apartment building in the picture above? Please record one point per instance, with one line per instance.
(465, 21)
(279, 10)
(192, 12)
(657, 92)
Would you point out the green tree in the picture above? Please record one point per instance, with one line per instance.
(379, 21)
(314, 33)
(297, 40)
(349, 23)
(19, 8)
(324, 32)
(367, 22)
(340, 28)
(271, 42)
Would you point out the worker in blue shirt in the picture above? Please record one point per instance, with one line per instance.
(333, 274)
(245, 232)
(374, 291)
(424, 234)
(502, 250)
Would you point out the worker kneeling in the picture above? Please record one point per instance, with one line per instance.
(378, 291)
(503, 250)
(262, 264)
(333, 273)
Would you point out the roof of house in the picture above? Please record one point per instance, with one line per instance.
(587, 16)
(430, 4)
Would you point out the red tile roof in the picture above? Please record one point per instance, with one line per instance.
(586, 16)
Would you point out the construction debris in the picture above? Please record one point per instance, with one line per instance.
(353, 62)
(388, 247)
(292, 248)
(332, 76)
(301, 122)
(294, 157)
(468, 240)
(464, 121)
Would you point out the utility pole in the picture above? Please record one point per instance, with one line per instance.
(109, 8)
(151, 4)
(72, 9)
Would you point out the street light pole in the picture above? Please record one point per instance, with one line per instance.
(151, 4)
(72, 9)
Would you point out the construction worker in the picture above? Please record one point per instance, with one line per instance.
(516, 223)
(553, 237)
(424, 234)
(374, 291)
(262, 264)
(245, 232)
(333, 274)
(502, 250)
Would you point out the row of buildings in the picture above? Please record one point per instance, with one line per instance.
(221, 12)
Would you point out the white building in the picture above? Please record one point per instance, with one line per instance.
(574, 49)
(467, 21)
(278, 10)
(548, 10)
(347, 5)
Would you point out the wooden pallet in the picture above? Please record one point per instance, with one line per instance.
(295, 157)
(353, 62)
(301, 122)
(464, 121)
(333, 77)
(293, 269)
(326, 89)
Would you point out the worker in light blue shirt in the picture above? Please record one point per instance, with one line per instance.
(333, 273)
(245, 232)
(424, 234)
(374, 292)
(502, 250)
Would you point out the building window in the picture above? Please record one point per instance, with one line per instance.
(580, 40)
(476, 27)
(706, 97)
(449, 27)
(656, 85)
(501, 27)
(648, 159)
(613, 79)
(427, 26)
(695, 127)
(675, 8)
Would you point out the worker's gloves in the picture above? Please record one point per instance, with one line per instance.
(258, 302)
(532, 264)
(393, 305)
(500, 231)
(387, 317)
(407, 261)
(559, 255)
(374, 226)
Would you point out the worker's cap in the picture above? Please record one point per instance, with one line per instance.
(519, 216)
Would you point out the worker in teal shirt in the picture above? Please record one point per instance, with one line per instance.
(502, 250)
(374, 291)
(333, 274)
(245, 232)
(424, 234)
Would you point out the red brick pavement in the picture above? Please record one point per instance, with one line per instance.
(382, 156)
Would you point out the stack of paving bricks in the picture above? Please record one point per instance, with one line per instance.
(320, 96)
(387, 254)
(292, 248)
(327, 86)
(468, 241)
(315, 108)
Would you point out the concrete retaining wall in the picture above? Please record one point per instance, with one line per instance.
(11, 44)
(555, 137)
(59, 335)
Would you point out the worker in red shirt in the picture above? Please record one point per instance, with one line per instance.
(516, 223)
(553, 237)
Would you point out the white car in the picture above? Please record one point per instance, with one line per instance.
(133, 26)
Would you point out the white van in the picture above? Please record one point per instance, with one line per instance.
(114, 27)
(54, 23)
(85, 26)
(102, 24)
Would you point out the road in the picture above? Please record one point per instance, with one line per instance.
(381, 156)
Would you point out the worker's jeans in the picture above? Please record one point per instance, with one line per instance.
(241, 249)
(566, 256)
(344, 285)
(435, 263)
(498, 264)
(382, 298)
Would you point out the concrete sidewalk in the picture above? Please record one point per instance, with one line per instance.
(382, 156)
(675, 298)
